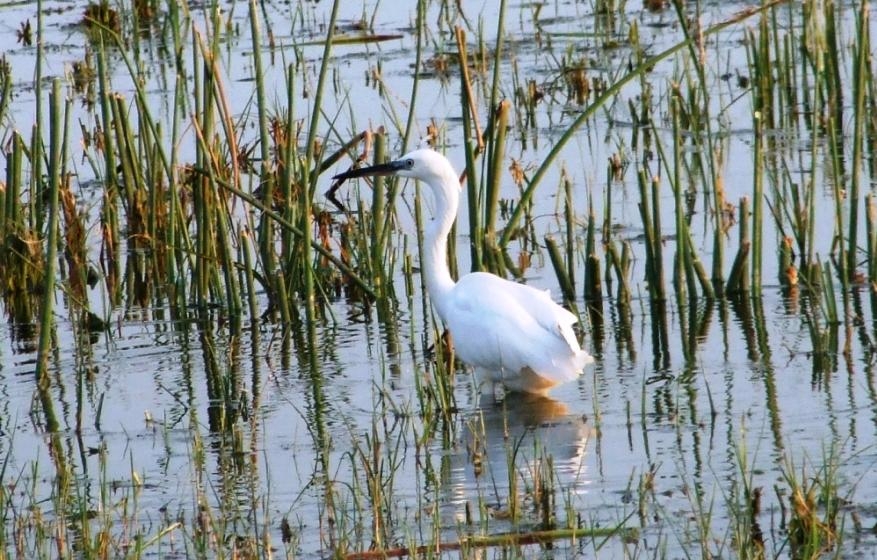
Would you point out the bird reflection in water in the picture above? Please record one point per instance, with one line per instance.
(542, 441)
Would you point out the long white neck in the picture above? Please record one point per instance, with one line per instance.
(445, 188)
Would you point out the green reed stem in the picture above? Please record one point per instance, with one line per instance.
(738, 279)
(570, 230)
(871, 227)
(172, 238)
(593, 282)
(680, 258)
(36, 156)
(698, 57)
(837, 183)
(142, 95)
(8, 187)
(106, 107)
(56, 134)
(861, 78)
(496, 158)
(706, 283)
(833, 83)
(648, 235)
(266, 177)
(497, 58)
(658, 235)
(246, 252)
(758, 201)
(829, 298)
(415, 81)
(379, 200)
(201, 203)
(5, 87)
(567, 289)
(12, 218)
(310, 158)
(621, 265)
(497, 136)
(476, 231)
(227, 262)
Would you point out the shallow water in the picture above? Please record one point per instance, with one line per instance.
(684, 408)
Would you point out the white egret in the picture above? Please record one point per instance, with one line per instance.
(509, 333)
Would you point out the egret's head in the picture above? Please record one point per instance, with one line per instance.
(424, 164)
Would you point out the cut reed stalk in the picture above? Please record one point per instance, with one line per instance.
(570, 230)
(12, 218)
(621, 265)
(593, 283)
(758, 205)
(738, 279)
(788, 274)
(567, 289)
(652, 266)
(245, 251)
(706, 285)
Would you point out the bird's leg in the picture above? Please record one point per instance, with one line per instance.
(483, 382)
(488, 387)
(499, 392)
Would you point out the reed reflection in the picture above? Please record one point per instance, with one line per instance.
(512, 458)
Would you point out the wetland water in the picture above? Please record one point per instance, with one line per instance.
(289, 438)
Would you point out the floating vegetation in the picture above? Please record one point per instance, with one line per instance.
(100, 17)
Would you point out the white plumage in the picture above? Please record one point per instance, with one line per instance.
(510, 333)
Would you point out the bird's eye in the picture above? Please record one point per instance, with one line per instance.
(409, 163)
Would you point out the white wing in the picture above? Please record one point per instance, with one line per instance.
(511, 328)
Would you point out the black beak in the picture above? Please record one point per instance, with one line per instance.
(388, 168)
